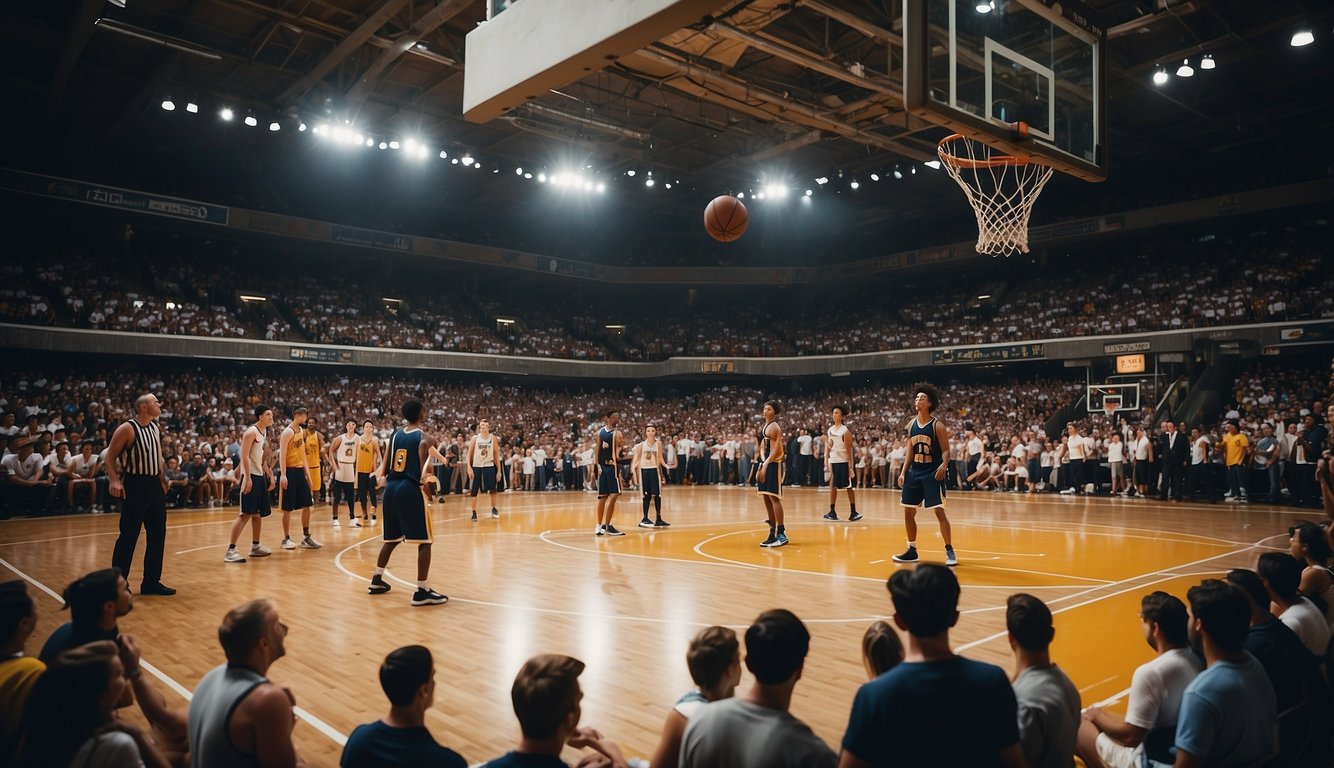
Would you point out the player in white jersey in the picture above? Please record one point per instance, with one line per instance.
(648, 465)
(256, 482)
(343, 459)
(482, 457)
(838, 455)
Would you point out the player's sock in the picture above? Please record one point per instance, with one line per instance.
(912, 545)
(231, 546)
(421, 584)
(379, 571)
(305, 531)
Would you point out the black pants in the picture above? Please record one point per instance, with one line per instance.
(1173, 481)
(1201, 475)
(145, 505)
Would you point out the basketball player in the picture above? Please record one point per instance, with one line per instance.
(368, 458)
(343, 459)
(294, 480)
(648, 462)
(923, 475)
(609, 480)
(256, 482)
(483, 461)
(769, 476)
(406, 466)
(314, 457)
(838, 452)
(135, 467)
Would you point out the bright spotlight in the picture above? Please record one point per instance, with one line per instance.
(370, 142)
(542, 178)
(932, 164)
(630, 173)
(444, 155)
(384, 145)
(168, 104)
(1208, 62)
(1302, 37)
(875, 177)
(275, 126)
(985, 6)
(193, 108)
(668, 185)
(226, 113)
(741, 195)
(1185, 70)
(358, 139)
(301, 127)
(251, 121)
(601, 187)
(648, 182)
(453, 161)
(410, 145)
(467, 160)
(898, 174)
(527, 175)
(854, 184)
(393, 145)
(809, 193)
(823, 180)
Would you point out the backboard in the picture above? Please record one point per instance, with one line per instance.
(1123, 396)
(982, 67)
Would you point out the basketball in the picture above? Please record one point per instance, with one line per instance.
(725, 218)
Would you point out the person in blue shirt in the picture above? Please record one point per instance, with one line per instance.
(936, 708)
(400, 738)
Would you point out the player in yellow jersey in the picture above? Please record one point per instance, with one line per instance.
(294, 480)
(368, 458)
(314, 457)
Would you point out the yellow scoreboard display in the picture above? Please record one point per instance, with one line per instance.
(1130, 363)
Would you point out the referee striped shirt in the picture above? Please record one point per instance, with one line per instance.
(143, 456)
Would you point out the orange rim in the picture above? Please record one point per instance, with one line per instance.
(995, 161)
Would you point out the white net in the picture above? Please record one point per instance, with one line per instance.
(1001, 189)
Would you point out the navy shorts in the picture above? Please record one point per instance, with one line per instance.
(256, 502)
(922, 489)
(839, 477)
(649, 482)
(609, 481)
(405, 517)
(297, 495)
(772, 484)
(484, 479)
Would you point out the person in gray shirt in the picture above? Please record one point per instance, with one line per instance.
(756, 730)
(1048, 701)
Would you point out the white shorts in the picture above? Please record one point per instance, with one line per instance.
(1117, 756)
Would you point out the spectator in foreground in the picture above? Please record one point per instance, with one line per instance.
(95, 602)
(910, 716)
(18, 672)
(400, 738)
(882, 650)
(714, 661)
(756, 730)
(1048, 700)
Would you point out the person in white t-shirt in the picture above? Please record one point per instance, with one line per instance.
(1156, 688)
(83, 474)
(1199, 473)
(974, 448)
(1143, 462)
(804, 441)
(1076, 450)
(1281, 574)
(1116, 458)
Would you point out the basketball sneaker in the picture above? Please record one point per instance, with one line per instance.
(660, 523)
(428, 596)
(288, 543)
(232, 556)
(950, 558)
(830, 515)
(310, 543)
(610, 530)
(259, 550)
(909, 556)
(474, 515)
(779, 541)
(646, 523)
(601, 530)
(337, 524)
(495, 514)
(855, 516)
(354, 523)
(769, 542)
(378, 585)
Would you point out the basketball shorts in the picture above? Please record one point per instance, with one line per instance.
(297, 494)
(405, 517)
(609, 481)
(256, 502)
(649, 482)
(484, 479)
(1118, 469)
(366, 488)
(1143, 472)
(839, 476)
(772, 484)
(922, 489)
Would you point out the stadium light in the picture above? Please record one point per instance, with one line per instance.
(1301, 38)
(251, 120)
(854, 184)
(393, 145)
(467, 159)
(168, 104)
(1160, 77)
(1208, 62)
(226, 113)
(823, 180)
(275, 126)
(1185, 70)
(809, 193)
(192, 107)
(985, 7)
(932, 164)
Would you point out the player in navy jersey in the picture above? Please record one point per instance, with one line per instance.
(406, 465)
(609, 479)
(923, 475)
(769, 476)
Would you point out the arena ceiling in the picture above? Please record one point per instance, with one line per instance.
(395, 67)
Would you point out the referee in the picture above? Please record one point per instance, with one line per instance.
(137, 445)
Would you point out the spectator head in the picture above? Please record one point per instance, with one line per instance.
(1221, 613)
(251, 634)
(882, 650)
(1164, 616)
(546, 696)
(930, 392)
(1029, 622)
(1307, 543)
(25, 448)
(926, 599)
(97, 599)
(714, 660)
(72, 700)
(173, 462)
(1282, 574)
(18, 616)
(1249, 582)
(412, 410)
(408, 676)
(1231, 427)
(776, 646)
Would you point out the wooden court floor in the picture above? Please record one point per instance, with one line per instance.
(537, 580)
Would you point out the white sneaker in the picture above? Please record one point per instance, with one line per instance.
(259, 550)
(309, 543)
(354, 523)
(288, 543)
(337, 524)
(232, 556)
(1068, 492)
(599, 531)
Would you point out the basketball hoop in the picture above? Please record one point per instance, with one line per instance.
(1001, 188)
